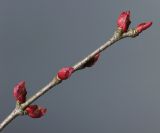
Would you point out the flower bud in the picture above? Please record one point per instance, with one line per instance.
(123, 21)
(143, 26)
(20, 92)
(92, 61)
(65, 73)
(35, 111)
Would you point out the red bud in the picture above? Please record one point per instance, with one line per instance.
(143, 26)
(92, 61)
(123, 21)
(20, 92)
(65, 73)
(35, 111)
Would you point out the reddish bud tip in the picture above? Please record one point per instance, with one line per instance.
(20, 92)
(123, 21)
(65, 73)
(35, 111)
(92, 61)
(143, 26)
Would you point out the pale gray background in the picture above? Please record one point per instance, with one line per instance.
(120, 94)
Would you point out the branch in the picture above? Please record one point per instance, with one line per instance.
(119, 34)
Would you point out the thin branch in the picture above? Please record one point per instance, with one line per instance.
(19, 110)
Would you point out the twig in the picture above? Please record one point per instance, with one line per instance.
(19, 109)
(118, 35)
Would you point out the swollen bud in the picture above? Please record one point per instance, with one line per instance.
(65, 73)
(143, 26)
(35, 111)
(123, 21)
(20, 92)
(92, 61)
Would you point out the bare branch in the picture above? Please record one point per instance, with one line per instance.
(118, 35)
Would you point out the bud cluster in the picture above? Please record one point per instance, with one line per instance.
(124, 21)
(20, 92)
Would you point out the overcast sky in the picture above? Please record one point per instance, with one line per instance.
(120, 94)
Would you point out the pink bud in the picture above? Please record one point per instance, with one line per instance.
(65, 73)
(123, 21)
(20, 92)
(143, 26)
(35, 111)
(92, 61)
